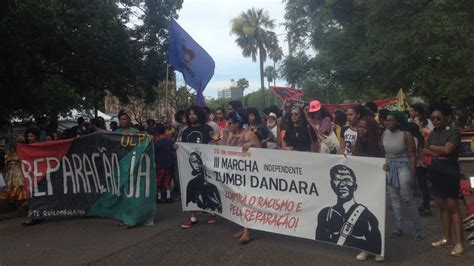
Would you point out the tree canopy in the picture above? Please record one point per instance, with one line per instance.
(370, 48)
(57, 55)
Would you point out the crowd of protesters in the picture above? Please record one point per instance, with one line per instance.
(420, 147)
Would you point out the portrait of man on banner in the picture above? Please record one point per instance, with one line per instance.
(199, 191)
(348, 223)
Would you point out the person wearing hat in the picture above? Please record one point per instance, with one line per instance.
(125, 123)
(272, 126)
(321, 121)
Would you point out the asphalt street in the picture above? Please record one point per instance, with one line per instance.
(100, 241)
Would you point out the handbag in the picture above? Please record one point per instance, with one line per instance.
(329, 144)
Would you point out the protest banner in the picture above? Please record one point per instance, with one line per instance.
(101, 174)
(323, 197)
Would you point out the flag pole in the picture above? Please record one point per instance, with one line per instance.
(166, 89)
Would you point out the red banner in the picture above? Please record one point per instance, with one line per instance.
(380, 104)
(285, 93)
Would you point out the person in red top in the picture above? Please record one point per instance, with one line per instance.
(221, 121)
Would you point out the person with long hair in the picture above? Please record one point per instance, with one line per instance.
(256, 126)
(197, 131)
(368, 144)
(400, 154)
(349, 132)
(443, 146)
(299, 136)
(240, 137)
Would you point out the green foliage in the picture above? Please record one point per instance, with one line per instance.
(253, 99)
(369, 48)
(213, 104)
(56, 55)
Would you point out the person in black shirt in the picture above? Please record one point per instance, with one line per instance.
(196, 132)
(443, 146)
(299, 135)
(348, 223)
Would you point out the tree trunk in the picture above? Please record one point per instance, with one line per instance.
(261, 77)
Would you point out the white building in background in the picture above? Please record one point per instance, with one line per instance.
(231, 93)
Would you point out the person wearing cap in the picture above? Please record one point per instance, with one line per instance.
(273, 128)
(125, 123)
(321, 120)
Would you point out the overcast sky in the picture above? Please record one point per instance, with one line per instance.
(208, 22)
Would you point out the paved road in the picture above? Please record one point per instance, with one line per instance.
(97, 241)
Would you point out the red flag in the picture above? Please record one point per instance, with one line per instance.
(285, 93)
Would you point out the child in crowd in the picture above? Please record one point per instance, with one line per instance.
(164, 165)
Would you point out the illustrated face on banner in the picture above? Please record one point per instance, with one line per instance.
(200, 192)
(343, 182)
(196, 162)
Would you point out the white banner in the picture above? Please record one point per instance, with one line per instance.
(324, 197)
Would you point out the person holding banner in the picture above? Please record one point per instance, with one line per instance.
(443, 146)
(299, 135)
(400, 154)
(125, 123)
(349, 133)
(197, 132)
(240, 137)
(368, 144)
(32, 135)
(256, 126)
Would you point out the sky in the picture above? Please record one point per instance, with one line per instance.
(208, 22)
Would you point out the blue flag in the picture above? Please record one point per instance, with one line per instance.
(189, 58)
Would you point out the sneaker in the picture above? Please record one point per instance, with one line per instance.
(211, 219)
(363, 255)
(419, 237)
(188, 224)
(169, 200)
(396, 234)
(426, 213)
(379, 258)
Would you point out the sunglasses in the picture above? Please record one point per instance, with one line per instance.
(219, 113)
(295, 114)
(437, 118)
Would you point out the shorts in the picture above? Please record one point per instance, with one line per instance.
(163, 177)
(445, 178)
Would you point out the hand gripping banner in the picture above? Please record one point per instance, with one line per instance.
(323, 197)
(101, 174)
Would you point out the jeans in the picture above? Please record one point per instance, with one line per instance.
(404, 193)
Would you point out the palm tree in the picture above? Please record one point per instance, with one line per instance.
(253, 29)
(271, 74)
(276, 54)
